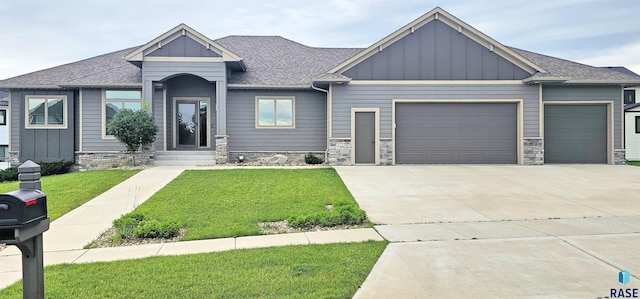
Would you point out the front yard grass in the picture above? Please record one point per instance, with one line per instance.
(634, 163)
(230, 203)
(66, 192)
(309, 271)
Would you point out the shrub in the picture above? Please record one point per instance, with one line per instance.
(9, 174)
(343, 213)
(153, 228)
(126, 224)
(58, 167)
(46, 168)
(312, 159)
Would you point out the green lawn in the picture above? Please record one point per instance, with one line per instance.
(66, 192)
(634, 163)
(229, 203)
(309, 271)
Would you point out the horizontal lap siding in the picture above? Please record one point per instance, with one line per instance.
(160, 70)
(310, 123)
(590, 93)
(92, 124)
(381, 96)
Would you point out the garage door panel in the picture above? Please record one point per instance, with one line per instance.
(469, 133)
(575, 133)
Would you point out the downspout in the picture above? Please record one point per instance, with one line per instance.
(326, 151)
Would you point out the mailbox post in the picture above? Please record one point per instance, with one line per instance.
(23, 219)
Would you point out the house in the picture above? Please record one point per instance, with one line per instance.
(4, 130)
(631, 117)
(435, 91)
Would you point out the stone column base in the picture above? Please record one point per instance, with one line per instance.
(533, 150)
(619, 157)
(222, 149)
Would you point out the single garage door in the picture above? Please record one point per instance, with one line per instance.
(575, 134)
(456, 133)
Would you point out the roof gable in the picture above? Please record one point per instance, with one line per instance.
(436, 51)
(179, 42)
(453, 22)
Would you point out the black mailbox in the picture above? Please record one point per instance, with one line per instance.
(21, 208)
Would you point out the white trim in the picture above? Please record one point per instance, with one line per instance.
(436, 82)
(540, 114)
(8, 107)
(164, 118)
(610, 122)
(80, 118)
(65, 108)
(519, 111)
(274, 98)
(183, 59)
(267, 86)
(330, 112)
(175, 119)
(376, 112)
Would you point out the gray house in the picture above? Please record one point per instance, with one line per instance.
(434, 91)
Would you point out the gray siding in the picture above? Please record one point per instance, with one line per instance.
(183, 46)
(380, 96)
(310, 121)
(590, 93)
(42, 145)
(92, 124)
(436, 51)
(190, 86)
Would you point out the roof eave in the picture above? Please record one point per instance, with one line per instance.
(268, 86)
(545, 80)
(101, 85)
(12, 86)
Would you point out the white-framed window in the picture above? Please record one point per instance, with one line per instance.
(46, 112)
(116, 100)
(275, 112)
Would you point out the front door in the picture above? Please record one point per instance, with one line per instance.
(191, 123)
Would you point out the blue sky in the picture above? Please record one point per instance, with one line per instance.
(39, 34)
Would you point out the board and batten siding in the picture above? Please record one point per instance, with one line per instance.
(310, 123)
(590, 93)
(42, 145)
(436, 51)
(92, 109)
(381, 95)
(183, 46)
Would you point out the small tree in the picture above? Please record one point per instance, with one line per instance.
(133, 128)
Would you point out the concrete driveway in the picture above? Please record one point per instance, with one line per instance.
(460, 231)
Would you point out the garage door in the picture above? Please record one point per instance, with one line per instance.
(456, 133)
(575, 134)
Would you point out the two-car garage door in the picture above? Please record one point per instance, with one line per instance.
(456, 133)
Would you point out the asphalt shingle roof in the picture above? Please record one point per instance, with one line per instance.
(274, 60)
(270, 60)
(101, 70)
(557, 67)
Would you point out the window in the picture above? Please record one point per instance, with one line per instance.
(638, 124)
(275, 112)
(629, 96)
(46, 112)
(3, 117)
(116, 100)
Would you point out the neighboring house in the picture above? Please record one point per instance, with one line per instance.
(631, 117)
(4, 130)
(435, 91)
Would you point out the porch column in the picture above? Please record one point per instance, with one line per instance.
(222, 148)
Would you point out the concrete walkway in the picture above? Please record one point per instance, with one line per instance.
(64, 241)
